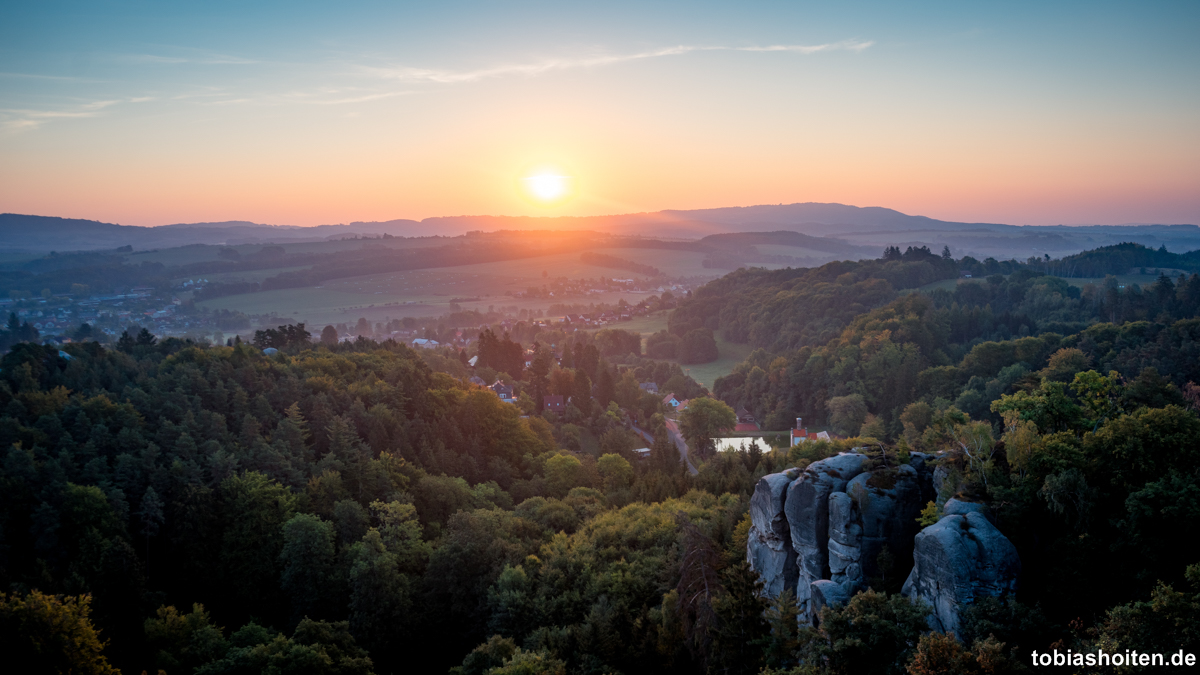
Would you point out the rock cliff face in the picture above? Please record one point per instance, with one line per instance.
(807, 511)
(820, 531)
(770, 549)
(960, 558)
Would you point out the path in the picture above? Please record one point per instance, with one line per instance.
(677, 439)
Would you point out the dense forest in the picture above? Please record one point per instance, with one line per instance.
(361, 507)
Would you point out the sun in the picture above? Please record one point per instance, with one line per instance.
(547, 187)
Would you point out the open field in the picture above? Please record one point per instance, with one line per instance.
(1142, 280)
(646, 325)
(798, 251)
(183, 255)
(730, 354)
(429, 292)
(229, 277)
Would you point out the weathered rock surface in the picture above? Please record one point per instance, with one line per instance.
(940, 474)
(769, 548)
(807, 511)
(807, 508)
(958, 559)
(827, 592)
(766, 505)
(820, 531)
(887, 503)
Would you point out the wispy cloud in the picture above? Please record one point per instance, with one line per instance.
(26, 119)
(36, 76)
(844, 45)
(361, 99)
(198, 59)
(408, 74)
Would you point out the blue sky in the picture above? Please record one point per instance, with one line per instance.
(149, 113)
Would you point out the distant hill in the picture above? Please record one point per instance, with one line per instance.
(39, 234)
(837, 229)
(787, 238)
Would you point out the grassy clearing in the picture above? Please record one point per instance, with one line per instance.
(1142, 280)
(670, 263)
(429, 292)
(798, 251)
(730, 354)
(646, 325)
(944, 284)
(318, 306)
(229, 277)
(183, 255)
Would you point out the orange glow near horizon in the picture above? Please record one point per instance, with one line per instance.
(495, 113)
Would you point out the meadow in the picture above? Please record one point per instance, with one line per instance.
(729, 355)
(184, 255)
(430, 292)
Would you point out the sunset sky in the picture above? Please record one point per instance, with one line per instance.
(148, 113)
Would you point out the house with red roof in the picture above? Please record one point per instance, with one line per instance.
(802, 435)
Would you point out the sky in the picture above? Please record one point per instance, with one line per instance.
(150, 113)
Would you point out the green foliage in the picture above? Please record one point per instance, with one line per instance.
(530, 663)
(315, 647)
(308, 563)
(564, 472)
(781, 644)
(1165, 623)
(1049, 407)
(253, 511)
(51, 634)
(184, 642)
(352, 483)
(944, 654)
(873, 633)
(929, 515)
(616, 472)
(704, 419)
(697, 346)
(491, 654)
(847, 414)
(741, 627)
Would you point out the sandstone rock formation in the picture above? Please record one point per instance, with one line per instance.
(958, 559)
(770, 549)
(820, 531)
(807, 511)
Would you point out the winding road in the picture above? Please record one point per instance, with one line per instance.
(677, 439)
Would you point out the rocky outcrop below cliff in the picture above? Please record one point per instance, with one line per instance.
(961, 557)
(820, 531)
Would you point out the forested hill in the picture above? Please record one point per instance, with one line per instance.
(1123, 258)
(845, 329)
(783, 309)
(338, 509)
(354, 508)
(1068, 410)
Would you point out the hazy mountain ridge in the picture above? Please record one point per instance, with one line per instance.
(853, 228)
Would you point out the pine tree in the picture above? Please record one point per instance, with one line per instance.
(740, 626)
(783, 622)
(151, 515)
